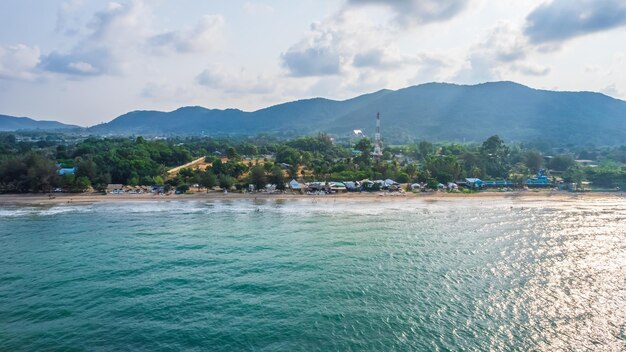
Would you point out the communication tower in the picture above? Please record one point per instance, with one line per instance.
(378, 142)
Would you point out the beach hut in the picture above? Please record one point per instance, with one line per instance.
(475, 183)
(294, 185)
(338, 187)
(351, 186)
(115, 188)
(389, 182)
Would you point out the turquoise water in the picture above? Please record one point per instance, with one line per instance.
(314, 276)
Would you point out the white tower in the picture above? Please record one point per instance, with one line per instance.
(378, 143)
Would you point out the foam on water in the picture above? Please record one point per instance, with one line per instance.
(17, 211)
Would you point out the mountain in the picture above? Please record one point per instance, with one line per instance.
(12, 123)
(433, 111)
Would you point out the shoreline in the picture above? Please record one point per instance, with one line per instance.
(90, 198)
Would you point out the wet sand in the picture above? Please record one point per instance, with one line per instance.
(88, 198)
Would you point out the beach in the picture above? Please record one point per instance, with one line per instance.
(88, 198)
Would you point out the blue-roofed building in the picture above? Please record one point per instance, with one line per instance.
(294, 185)
(477, 183)
(540, 181)
(499, 183)
(67, 171)
(474, 182)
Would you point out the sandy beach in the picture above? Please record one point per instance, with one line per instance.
(87, 198)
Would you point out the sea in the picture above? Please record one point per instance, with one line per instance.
(316, 274)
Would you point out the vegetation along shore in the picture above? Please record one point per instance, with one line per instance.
(56, 165)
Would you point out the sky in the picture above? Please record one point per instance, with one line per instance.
(86, 62)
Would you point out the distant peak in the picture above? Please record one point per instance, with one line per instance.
(503, 83)
(190, 108)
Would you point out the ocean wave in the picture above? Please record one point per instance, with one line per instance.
(12, 212)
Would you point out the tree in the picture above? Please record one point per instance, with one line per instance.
(207, 179)
(473, 164)
(226, 182)
(186, 173)
(403, 177)
(257, 177)
(182, 189)
(231, 153)
(86, 168)
(518, 174)
(81, 184)
(364, 145)
(292, 170)
(42, 173)
(562, 162)
(443, 168)
(277, 178)
(496, 154)
(431, 183)
(288, 155)
(67, 181)
(574, 174)
(411, 170)
(217, 167)
(424, 148)
(235, 169)
(533, 160)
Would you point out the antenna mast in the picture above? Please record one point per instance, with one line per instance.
(378, 143)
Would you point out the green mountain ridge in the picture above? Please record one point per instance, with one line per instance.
(12, 123)
(431, 111)
(434, 111)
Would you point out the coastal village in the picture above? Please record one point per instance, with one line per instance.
(284, 172)
(309, 165)
(307, 184)
(382, 187)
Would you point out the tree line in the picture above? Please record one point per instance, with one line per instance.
(32, 166)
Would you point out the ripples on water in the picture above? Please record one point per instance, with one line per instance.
(297, 275)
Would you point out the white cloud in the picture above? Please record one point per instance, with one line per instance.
(115, 33)
(18, 62)
(313, 61)
(503, 51)
(229, 82)
(383, 58)
(360, 37)
(165, 90)
(412, 12)
(82, 67)
(122, 35)
(316, 55)
(531, 69)
(206, 35)
(561, 20)
(330, 46)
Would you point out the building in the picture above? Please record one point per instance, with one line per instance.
(67, 171)
(294, 185)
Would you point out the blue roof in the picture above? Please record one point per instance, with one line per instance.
(294, 184)
(67, 171)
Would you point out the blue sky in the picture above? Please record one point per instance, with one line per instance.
(88, 61)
